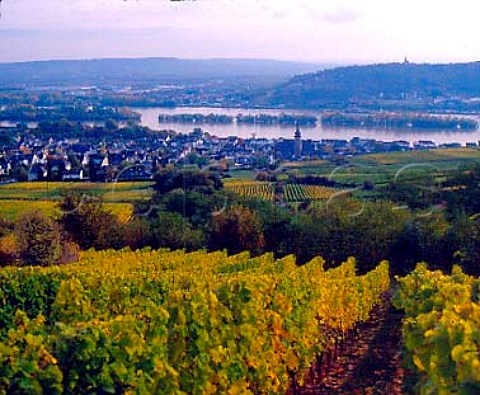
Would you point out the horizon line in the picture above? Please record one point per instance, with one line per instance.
(336, 63)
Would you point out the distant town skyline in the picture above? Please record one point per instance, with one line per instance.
(322, 31)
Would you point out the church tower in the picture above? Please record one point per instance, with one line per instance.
(298, 143)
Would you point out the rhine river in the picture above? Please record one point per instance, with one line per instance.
(150, 119)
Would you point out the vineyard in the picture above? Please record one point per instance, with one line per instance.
(290, 192)
(252, 189)
(161, 322)
(298, 192)
(442, 330)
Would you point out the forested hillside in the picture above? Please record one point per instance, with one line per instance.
(417, 84)
(145, 70)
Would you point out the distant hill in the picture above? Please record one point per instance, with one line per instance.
(421, 85)
(146, 71)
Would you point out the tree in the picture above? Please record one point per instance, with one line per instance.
(171, 230)
(88, 223)
(197, 205)
(138, 233)
(195, 159)
(167, 180)
(111, 126)
(464, 237)
(38, 239)
(345, 228)
(237, 229)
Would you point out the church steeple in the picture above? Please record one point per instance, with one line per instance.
(298, 142)
(297, 132)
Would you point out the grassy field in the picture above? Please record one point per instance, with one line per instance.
(456, 155)
(112, 192)
(379, 169)
(242, 174)
(18, 198)
(303, 165)
(12, 209)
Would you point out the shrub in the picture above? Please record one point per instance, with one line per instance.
(237, 229)
(8, 250)
(88, 223)
(38, 239)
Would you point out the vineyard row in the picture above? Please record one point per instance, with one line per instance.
(144, 322)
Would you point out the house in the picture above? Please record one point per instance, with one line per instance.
(116, 158)
(402, 144)
(450, 145)
(56, 167)
(135, 173)
(285, 148)
(5, 166)
(423, 145)
(79, 148)
(73, 175)
(38, 172)
(23, 159)
(97, 166)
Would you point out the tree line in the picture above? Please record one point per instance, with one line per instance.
(191, 210)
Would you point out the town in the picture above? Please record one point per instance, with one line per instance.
(66, 151)
(250, 197)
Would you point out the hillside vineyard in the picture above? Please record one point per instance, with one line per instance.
(162, 322)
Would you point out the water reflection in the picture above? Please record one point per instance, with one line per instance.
(150, 119)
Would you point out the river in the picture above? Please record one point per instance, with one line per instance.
(150, 119)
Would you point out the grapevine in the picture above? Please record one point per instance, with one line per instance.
(442, 330)
(292, 192)
(171, 322)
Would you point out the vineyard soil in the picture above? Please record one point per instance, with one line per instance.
(368, 361)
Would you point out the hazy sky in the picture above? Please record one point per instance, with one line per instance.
(347, 31)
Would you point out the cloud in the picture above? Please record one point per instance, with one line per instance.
(293, 29)
(342, 16)
(336, 13)
(140, 14)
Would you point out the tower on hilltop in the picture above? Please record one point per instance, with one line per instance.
(298, 143)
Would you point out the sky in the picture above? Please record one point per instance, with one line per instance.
(323, 31)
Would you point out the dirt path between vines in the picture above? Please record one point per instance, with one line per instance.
(368, 362)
